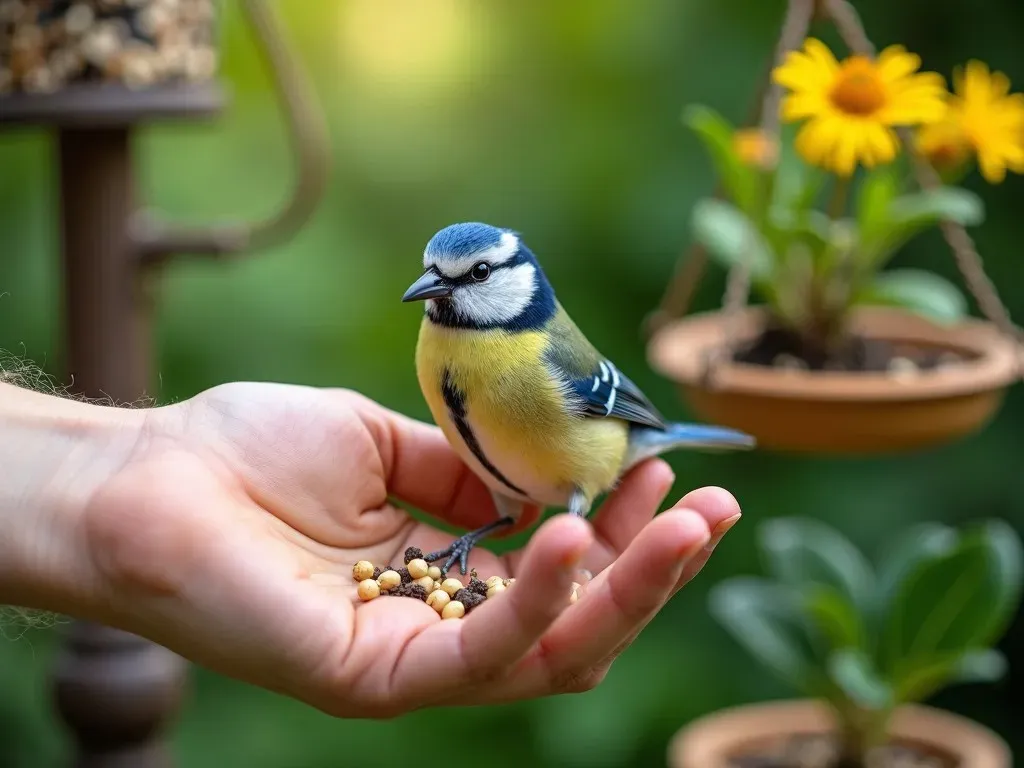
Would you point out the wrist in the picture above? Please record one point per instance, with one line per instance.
(55, 453)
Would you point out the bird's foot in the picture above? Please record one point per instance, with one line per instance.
(459, 549)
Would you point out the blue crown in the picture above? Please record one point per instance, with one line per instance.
(463, 239)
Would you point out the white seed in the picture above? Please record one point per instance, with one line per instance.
(434, 572)
(789, 362)
(389, 580)
(509, 582)
(496, 589)
(100, 44)
(451, 586)
(426, 582)
(418, 568)
(137, 71)
(454, 610)
(40, 80)
(78, 19)
(362, 570)
(902, 368)
(200, 64)
(494, 580)
(438, 599)
(368, 589)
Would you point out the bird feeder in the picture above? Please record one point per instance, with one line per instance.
(838, 411)
(93, 73)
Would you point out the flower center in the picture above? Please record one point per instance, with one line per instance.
(858, 89)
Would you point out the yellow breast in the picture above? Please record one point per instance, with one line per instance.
(514, 409)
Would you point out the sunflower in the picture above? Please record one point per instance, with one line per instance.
(983, 119)
(851, 107)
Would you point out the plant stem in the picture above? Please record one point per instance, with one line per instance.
(840, 192)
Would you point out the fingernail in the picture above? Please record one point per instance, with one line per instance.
(720, 530)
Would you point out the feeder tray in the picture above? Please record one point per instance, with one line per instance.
(842, 412)
(826, 411)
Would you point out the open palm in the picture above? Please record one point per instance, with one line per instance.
(230, 536)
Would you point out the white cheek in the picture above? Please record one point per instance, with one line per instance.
(501, 298)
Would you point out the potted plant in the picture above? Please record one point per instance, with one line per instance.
(864, 644)
(846, 354)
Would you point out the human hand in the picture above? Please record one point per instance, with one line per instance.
(229, 531)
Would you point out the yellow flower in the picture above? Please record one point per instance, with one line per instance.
(754, 148)
(851, 107)
(983, 118)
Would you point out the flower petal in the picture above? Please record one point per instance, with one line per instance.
(895, 63)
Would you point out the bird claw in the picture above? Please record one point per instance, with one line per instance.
(457, 550)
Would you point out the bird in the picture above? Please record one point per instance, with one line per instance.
(520, 393)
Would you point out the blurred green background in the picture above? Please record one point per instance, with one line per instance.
(560, 120)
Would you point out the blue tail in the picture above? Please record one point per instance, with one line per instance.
(645, 442)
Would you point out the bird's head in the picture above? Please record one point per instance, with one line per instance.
(479, 276)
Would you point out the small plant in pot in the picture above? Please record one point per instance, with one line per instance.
(814, 219)
(864, 643)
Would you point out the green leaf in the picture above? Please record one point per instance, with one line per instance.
(877, 191)
(922, 292)
(854, 673)
(906, 553)
(731, 237)
(803, 552)
(766, 619)
(1006, 564)
(835, 617)
(910, 214)
(738, 179)
(944, 608)
(929, 676)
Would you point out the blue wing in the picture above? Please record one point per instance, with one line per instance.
(607, 392)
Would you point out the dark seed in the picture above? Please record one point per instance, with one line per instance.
(413, 553)
(376, 572)
(410, 589)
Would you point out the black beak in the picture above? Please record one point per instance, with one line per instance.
(429, 286)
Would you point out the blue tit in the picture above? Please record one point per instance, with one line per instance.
(523, 397)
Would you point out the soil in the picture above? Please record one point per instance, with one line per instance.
(781, 348)
(816, 751)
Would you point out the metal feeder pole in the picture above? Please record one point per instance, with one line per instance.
(118, 693)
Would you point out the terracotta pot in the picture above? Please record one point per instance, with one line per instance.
(711, 741)
(840, 412)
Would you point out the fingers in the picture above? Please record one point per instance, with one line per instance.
(720, 511)
(421, 468)
(500, 632)
(449, 658)
(632, 506)
(614, 608)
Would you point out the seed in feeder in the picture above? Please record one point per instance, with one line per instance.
(40, 80)
(418, 568)
(368, 589)
(451, 586)
(100, 44)
(454, 610)
(362, 570)
(438, 599)
(200, 64)
(137, 70)
(426, 582)
(78, 19)
(434, 572)
(153, 19)
(389, 580)
(496, 588)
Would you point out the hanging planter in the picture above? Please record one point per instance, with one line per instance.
(845, 355)
(924, 383)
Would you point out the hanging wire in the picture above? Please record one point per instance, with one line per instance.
(799, 15)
